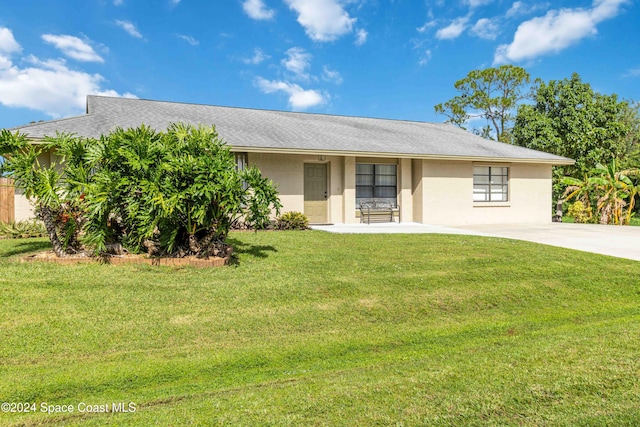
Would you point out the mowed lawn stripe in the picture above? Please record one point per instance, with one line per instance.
(321, 329)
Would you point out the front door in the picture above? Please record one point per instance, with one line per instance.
(315, 192)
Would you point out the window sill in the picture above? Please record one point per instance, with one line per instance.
(491, 204)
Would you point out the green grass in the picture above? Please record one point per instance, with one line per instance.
(310, 328)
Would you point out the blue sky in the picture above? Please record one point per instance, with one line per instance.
(376, 58)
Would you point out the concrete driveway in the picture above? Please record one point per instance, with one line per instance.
(621, 242)
(617, 241)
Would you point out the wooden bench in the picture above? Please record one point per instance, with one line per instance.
(379, 211)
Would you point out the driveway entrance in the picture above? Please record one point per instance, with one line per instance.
(617, 241)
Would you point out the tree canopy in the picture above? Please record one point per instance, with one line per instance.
(492, 94)
(570, 119)
(631, 142)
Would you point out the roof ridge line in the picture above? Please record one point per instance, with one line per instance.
(306, 113)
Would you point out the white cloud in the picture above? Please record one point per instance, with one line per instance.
(118, 2)
(129, 28)
(454, 29)
(361, 37)
(8, 44)
(4, 62)
(427, 25)
(299, 98)
(189, 39)
(73, 47)
(486, 29)
(426, 57)
(174, 3)
(516, 9)
(258, 57)
(256, 9)
(50, 86)
(298, 61)
(634, 72)
(431, 22)
(323, 20)
(556, 31)
(476, 3)
(519, 8)
(331, 75)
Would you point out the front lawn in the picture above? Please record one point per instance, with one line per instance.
(310, 328)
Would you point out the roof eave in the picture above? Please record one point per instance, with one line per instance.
(555, 162)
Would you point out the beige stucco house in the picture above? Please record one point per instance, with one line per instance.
(325, 165)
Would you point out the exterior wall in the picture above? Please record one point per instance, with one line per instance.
(287, 170)
(405, 198)
(417, 189)
(335, 171)
(23, 207)
(349, 204)
(429, 191)
(447, 191)
(448, 195)
(531, 192)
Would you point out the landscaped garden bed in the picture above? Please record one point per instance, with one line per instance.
(50, 256)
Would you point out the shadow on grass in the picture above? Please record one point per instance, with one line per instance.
(241, 248)
(26, 246)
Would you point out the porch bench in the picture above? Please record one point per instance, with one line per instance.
(376, 210)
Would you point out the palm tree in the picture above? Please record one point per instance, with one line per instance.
(581, 191)
(613, 190)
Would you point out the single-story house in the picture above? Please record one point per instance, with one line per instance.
(327, 165)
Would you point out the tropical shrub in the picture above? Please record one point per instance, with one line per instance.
(292, 221)
(172, 193)
(579, 212)
(22, 229)
(53, 189)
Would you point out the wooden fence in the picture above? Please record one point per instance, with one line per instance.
(7, 197)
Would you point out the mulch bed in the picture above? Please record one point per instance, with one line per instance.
(50, 256)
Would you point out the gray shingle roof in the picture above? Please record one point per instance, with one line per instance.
(286, 131)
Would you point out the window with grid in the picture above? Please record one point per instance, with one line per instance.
(490, 184)
(376, 181)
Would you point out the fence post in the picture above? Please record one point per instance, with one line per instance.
(7, 200)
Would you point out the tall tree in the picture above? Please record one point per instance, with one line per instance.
(492, 94)
(570, 119)
(631, 155)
